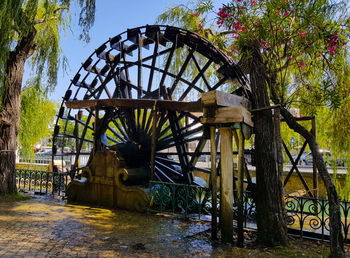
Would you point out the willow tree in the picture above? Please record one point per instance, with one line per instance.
(37, 114)
(285, 48)
(29, 31)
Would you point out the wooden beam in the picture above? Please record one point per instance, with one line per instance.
(154, 140)
(240, 211)
(226, 183)
(137, 103)
(214, 223)
(229, 115)
(223, 99)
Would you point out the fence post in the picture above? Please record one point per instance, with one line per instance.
(226, 183)
(214, 214)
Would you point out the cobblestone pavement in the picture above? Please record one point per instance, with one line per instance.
(41, 227)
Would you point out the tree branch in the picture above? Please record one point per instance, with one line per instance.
(51, 18)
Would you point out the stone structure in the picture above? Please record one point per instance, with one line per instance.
(105, 181)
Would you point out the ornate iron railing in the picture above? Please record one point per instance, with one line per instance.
(42, 182)
(309, 217)
(306, 216)
(190, 200)
(185, 200)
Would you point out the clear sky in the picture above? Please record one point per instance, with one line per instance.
(112, 18)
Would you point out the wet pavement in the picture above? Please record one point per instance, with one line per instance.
(50, 227)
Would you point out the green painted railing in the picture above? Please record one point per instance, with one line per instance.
(181, 199)
(42, 182)
(306, 216)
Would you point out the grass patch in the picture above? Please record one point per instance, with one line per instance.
(302, 248)
(14, 197)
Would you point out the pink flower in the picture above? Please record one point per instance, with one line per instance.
(302, 64)
(243, 29)
(310, 42)
(290, 57)
(344, 43)
(303, 34)
(263, 44)
(285, 14)
(277, 12)
(237, 27)
(318, 56)
(197, 14)
(252, 3)
(236, 37)
(222, 13)
(200, 25)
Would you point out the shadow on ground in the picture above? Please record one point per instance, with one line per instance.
(50, 227)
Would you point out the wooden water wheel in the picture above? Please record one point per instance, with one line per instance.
(147, 63)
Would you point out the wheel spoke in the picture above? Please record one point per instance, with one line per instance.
(161, 63)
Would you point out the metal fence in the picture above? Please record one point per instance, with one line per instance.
(307, 217)
(42, 182)
(36, 160)
(185, 200)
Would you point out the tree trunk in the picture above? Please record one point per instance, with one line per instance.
(270, 212)
(336, 236)
(11, 112)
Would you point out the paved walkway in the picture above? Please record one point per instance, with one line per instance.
(49, 227)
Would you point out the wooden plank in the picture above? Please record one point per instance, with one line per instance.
(137, 103)
(226, 183)
(240, 215)
(154, 141)
(228, 115)
(223, 99)
(214, 223)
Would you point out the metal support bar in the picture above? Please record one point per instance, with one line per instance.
(314, 167)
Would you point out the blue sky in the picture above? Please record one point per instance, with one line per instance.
(112, 18)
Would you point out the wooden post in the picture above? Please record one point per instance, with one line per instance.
(226, 182)
(214, 223)
(76, 135)
(240, 167)
(97, 137)
(154, 139)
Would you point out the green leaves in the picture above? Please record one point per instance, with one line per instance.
(37, 113)
(49, 18)
(303, 44)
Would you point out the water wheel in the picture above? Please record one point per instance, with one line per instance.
(150, 62)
